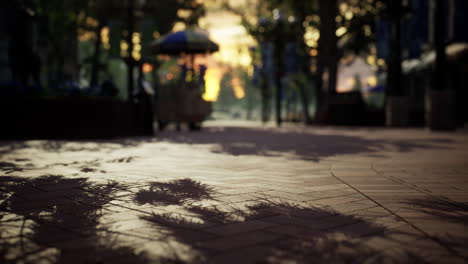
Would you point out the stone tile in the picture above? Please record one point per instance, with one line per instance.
(356, 206)
(283, 195)
(240, 240)
(288, 199)
(337, 200)
(236, 228)
(252, 255)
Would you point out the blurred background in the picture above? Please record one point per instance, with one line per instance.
(112, 67)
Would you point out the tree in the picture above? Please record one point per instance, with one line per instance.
(394, 81)
(68, 19)
(60, 21)
(342, 25)
(327, 51)
(440, 45)
(253, 21)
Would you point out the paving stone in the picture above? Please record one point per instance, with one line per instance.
(236, 228)
(294, 194)
(240, 240)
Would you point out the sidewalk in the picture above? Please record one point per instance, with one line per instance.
(238, 193)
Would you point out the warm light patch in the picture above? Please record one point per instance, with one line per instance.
(156, 35)
(341, 31)
(169, 76)
(371, 60)
(123, 48)
(147, 68)
(313, 52)
(245, 59)
(381, 62)
(237, 87)
(232, 40)
(184, 13)
(86, 36)
(179, 26)
(312, 36)
(372, 81)
(92, 22)
(105, 37)
(212, 84)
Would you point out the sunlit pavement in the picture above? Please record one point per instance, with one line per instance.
(238, 193)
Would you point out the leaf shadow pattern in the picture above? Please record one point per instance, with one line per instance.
(303, 144)
(446, 211)
(291, 233)
(53, 219)
(174, 192)
(74, 145)
(9, 167)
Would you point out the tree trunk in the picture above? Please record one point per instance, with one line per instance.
(97, 54)
(130, 61)
(304, 62)
(278, 50)
(331, 11)
(440, 33)
(265, 94)
(394, 82)
(328, 52)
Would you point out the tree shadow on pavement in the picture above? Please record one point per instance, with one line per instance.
(73, 145)
(450, 213)
(84, 166)
(53, 219)
(175, 192)
(9, 167)
(269, 231)
(304, 144)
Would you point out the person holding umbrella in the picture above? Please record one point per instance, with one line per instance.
(189, 106)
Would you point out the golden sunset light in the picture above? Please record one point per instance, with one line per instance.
(226, 30)
(233, 131)
(212, 84)
(237, 87)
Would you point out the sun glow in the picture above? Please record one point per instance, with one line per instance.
(238, 88)
(212, 84)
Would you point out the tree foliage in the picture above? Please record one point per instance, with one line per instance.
(64, 21)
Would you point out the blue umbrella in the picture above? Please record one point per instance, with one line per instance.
(188, 41)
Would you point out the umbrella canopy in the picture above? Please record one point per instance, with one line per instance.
(187, 41)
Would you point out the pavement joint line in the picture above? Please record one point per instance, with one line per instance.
(360, 209)
(427, 235)
(330, 197)
(423, 191)
(133, 209)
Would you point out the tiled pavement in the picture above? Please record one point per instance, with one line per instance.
(238, 193)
